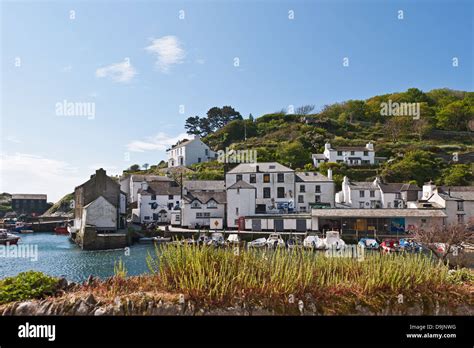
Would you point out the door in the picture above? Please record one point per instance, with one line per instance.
(278, 225)
(301, 225)
(256, 225)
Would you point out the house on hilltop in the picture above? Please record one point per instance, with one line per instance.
(189, 151)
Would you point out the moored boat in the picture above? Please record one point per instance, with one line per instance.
(369, 243)
(7, 238)
(257, 243)
(161, 240)
(275, 241)
(61, 230)
(314, 242)
(333, 240)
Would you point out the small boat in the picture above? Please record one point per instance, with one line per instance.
(410, 245)
(314, 242)
(217, 239)
(294, 243)
(233, 239)
(7, 238)
(26, 231)
(369, 243)
(390, 246)
(61, 230)
(203, 239)
(161, 240)
(19, 226)
(333, 240)
(258, 243)
(275, 241)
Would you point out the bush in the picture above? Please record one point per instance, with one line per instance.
(27, 285)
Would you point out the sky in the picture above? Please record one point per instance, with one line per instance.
(89, 84)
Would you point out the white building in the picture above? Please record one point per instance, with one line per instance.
(458, 201)
(203, 200)
(350, 155)
(156, 201)
(314, 189)
(376, 194)
(241, 199)
(130, 184)
(189, 151)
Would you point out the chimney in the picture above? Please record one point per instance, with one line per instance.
(197, 136)
(327, 146)
(369, 146)
(330, 173)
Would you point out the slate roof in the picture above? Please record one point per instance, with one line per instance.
(350, 148)
(204, 197)
(241, 185)
(456, 193)
(378, 213)
(149, 178)
(204, 185)
(161, 188)
(310, 177)
(260, 167)
(28, 196)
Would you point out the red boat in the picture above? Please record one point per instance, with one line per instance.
(61, 230)
(390, 245)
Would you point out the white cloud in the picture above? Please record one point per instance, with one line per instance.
(119, 72)
(13, 139)
(168, 52)
(159, 142)
(25, 173)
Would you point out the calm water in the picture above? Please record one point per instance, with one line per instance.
(58, 256)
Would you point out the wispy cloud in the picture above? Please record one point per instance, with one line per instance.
(26, 173)
(159, 142)
(119, 72)
(168, 52)
(13, 139)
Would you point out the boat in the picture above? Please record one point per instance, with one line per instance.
(275, 241)
(333, 240)
(7, 238)
(369, 243)
(390, 246)
(203, 239)
(233, 238)
(145, 240)
(314, 242)
(61, 230)
(257, 243)
(161, 240)
(294, 243)
(410, 245)
(217, 239)
(19, 226)
(26, 231)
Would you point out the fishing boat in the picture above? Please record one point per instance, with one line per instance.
(61, 230)
(333, 240)
(257, 243)
(314, 242)
(7, 238)
(19, 226)
(369, 243)
(275, 241)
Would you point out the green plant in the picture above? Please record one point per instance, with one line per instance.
(27, 285)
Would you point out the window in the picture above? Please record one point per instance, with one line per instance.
(461, 206)
(199, 159)
(460, 218)
(352, 153)
(147, 218)
(366, 153)
(280, 192)
(398, 196)
(317, 188)
(239, 177)
(317, 198)
(361, 205)
(302, 188)
(170, 206)
(361, 193)
(281, 177)
(212, 204)
(372, 193)
(300, 199)
(253, 178)
(266, 192)
(206, 151)
(153, 197)
(195, 205)
(339, 153)
(389, 205)
(237, 211)
(303, 209)
(266, 177)
(170, 197)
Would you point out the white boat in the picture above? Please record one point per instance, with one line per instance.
(160, 240)
(333, 240)
(7, 238)
(233, 239)
(275, 240)
(217, 239)
(314, 242)
(202, 239)
(257, 243)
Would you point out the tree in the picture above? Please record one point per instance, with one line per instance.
(294, 154)
(251, 118)
(192, 125)
(457, 175)
(134, 168)
(304, 109)
(444, 240)
(421, 127)
(146, 165)
(396, 126)
(456, 115)
(418, 165)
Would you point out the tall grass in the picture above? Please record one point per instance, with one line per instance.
(220, 275)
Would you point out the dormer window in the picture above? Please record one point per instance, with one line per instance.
(195, 205)
(212, 204)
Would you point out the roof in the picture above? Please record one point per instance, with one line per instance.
(410, 187)
(181, 143)
(149, 178)
(391, 187)
(319, 156)
(366, 185)
(240, 185)
(350, 148)
(456, 193)
(28, 196)
(310, 177)
(95, 200)
(378, 213)
(161, 188)
(260, 167)
(212, 185)
(204, 197)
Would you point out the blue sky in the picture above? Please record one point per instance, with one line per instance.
(48, 57)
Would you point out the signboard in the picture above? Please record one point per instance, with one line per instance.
(215, 224)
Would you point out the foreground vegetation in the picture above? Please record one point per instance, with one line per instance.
(27, 285)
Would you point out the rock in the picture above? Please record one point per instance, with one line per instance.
(62, 283)
(100, 311)
(90, 300)
(26, 308)
(82, 309)
(90, 280)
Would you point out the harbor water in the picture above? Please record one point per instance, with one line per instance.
(58, 256)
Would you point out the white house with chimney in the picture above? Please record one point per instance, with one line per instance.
(350, 155)
(189, 151)
(131, 184)
(157, 200)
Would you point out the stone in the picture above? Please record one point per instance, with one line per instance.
(90, 300)
(100, 311)
(26, 308)
(82, 309)
(62, 283)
